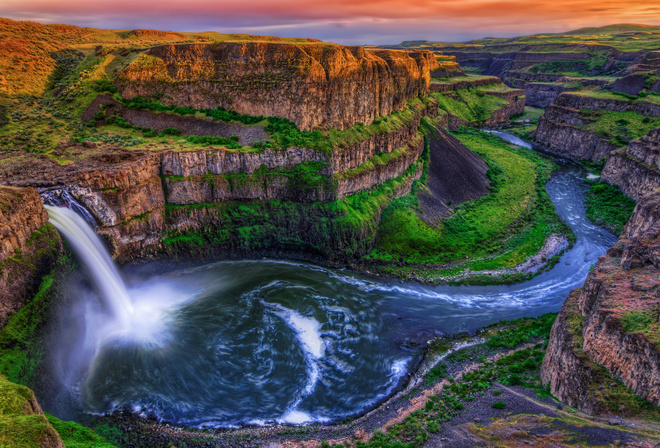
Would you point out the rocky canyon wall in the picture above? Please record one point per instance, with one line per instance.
(636, 168)
(608, 329)
(28, 247)
(313, 84)
(563, 129)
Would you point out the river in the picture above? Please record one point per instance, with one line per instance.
(267, 341)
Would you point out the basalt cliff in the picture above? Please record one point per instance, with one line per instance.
(571, 126)
(606, 335)
(312, 85)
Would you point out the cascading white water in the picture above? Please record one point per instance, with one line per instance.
(87, 245)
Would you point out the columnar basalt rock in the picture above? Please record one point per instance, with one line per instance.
(590, 332)
(559, 129)
(312, 85)
(636, 169)
(28, 247)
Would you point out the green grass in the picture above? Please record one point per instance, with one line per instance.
(498, 230)
(624, 37)
(619, 128)
(19, 426)
(74, 435)
(20, 351)
(345, 227)
(381, 125)
(470, 105)
(601, 94)
(608, 207)
(521, 331)
(520, 367)
(638, 321)
(283, 133)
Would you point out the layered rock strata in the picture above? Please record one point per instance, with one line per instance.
(28, 247)
(560, 129)
(636, 168)
(610, 325)
(312, 85)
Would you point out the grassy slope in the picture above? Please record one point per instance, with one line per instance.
(471, 105)
(28, 50)
(625, 37)
(499, 230)
(608, 207)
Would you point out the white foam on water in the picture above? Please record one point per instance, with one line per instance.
(308, 333)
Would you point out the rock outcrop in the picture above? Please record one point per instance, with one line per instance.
(312, 85)
(636, 168)
(484, 87)
(561, 128)
(138, 198)
(22, 422)
(28, 247)
(456, 175)
(610, 326)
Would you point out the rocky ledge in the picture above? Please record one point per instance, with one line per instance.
(606, 337)
(636, 168)
(28, 247)
(562, 129)
(312, 85)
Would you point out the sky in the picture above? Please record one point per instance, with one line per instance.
(342, 21)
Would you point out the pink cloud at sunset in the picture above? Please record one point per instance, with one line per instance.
(343, 21)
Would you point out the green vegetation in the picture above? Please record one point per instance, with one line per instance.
(619, 128)
(499, 230)
(470, 105)
(608, 207)
(604, 387)
(344, 227)
(624, 37)
(521, 331)
(283, 132)
(20, 427)
(518, 367)
(381, 125)
(525, 125)
(645, 322)
(20, 348)
(594, 64)
(74, 435)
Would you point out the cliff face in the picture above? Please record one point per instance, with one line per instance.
(516, 99)
(312, 85)
(28, 247)
(636, 169)
(561, 128)
(140, 199)
(610, 326)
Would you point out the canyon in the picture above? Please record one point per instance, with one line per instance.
(188, 150)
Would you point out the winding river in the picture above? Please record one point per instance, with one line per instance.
(259, 342)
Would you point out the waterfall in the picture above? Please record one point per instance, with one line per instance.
(93, 255)
(58, 197)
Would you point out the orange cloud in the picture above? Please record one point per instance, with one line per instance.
(347, 21)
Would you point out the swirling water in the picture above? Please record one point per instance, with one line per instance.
(258, 342)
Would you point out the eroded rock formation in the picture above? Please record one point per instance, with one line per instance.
(561, 128)
(312, 85)
(28, 247)
(636, 168)
(608, 328)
